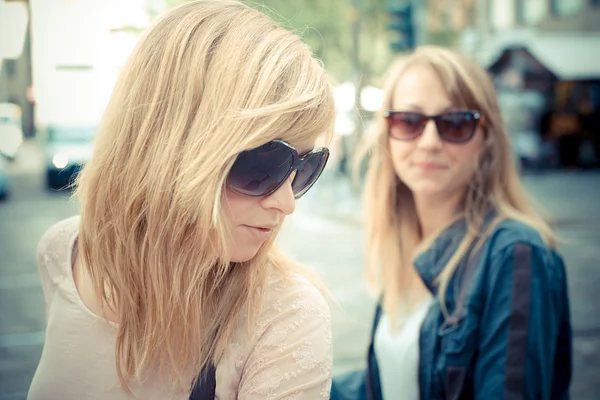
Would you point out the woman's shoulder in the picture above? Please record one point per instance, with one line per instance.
(292, 306)
(514, 243)
(510, 232)
(55, 248)
(290, 350)
(294, 296)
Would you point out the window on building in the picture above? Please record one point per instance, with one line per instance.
(11, 68)
(502, 14)
(533, 11)
(567, 7)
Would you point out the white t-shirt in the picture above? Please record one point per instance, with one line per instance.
(397, 353)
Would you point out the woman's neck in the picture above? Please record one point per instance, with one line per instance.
(87, 291)
(436, 212)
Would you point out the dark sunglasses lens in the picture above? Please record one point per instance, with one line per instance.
(260, 171)
(457, 126)
(406, 125)
(308, 172)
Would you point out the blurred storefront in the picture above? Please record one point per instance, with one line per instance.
(544, 56)
(549, 86)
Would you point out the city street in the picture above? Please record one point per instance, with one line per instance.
(326, 234)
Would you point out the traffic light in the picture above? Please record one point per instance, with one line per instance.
(402, 23)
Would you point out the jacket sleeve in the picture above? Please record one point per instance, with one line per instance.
(525, 327)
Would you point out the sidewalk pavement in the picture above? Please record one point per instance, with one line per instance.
(30, 158)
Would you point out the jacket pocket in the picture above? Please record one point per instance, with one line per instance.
(457, 337)
(458, 346)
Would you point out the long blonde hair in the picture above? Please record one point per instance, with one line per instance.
(393, 233)
(210, 79)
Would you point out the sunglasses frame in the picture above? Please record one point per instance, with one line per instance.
(296, 162)
(477, 117)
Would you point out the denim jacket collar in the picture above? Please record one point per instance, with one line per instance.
(430, 263)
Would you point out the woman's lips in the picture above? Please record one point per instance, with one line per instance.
(259, 233)
(430, 166)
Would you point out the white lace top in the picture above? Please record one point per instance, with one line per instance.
(287, 356)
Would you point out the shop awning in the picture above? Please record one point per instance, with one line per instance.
(569, 56)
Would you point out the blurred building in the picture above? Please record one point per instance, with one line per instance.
(473, 24)
(15, 61)
(77, 50)
(61, 66)
(544, 56)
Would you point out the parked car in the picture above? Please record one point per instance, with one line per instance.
(11, 129)
(3, 178)
(66, 149)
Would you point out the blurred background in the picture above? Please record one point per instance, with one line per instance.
(60, 59)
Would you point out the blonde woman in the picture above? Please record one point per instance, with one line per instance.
(474, 296)
(170, 270)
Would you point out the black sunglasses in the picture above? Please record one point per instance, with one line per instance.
(452, 126)
(261, 171)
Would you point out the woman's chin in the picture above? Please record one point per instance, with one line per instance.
(245, 254)
(428, 189)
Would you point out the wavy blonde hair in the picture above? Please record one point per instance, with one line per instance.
(210, 79)
(391, 217)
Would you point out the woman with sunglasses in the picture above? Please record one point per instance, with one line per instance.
(168, 285)
(473, 295)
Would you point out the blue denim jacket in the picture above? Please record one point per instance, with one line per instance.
(509, 332)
